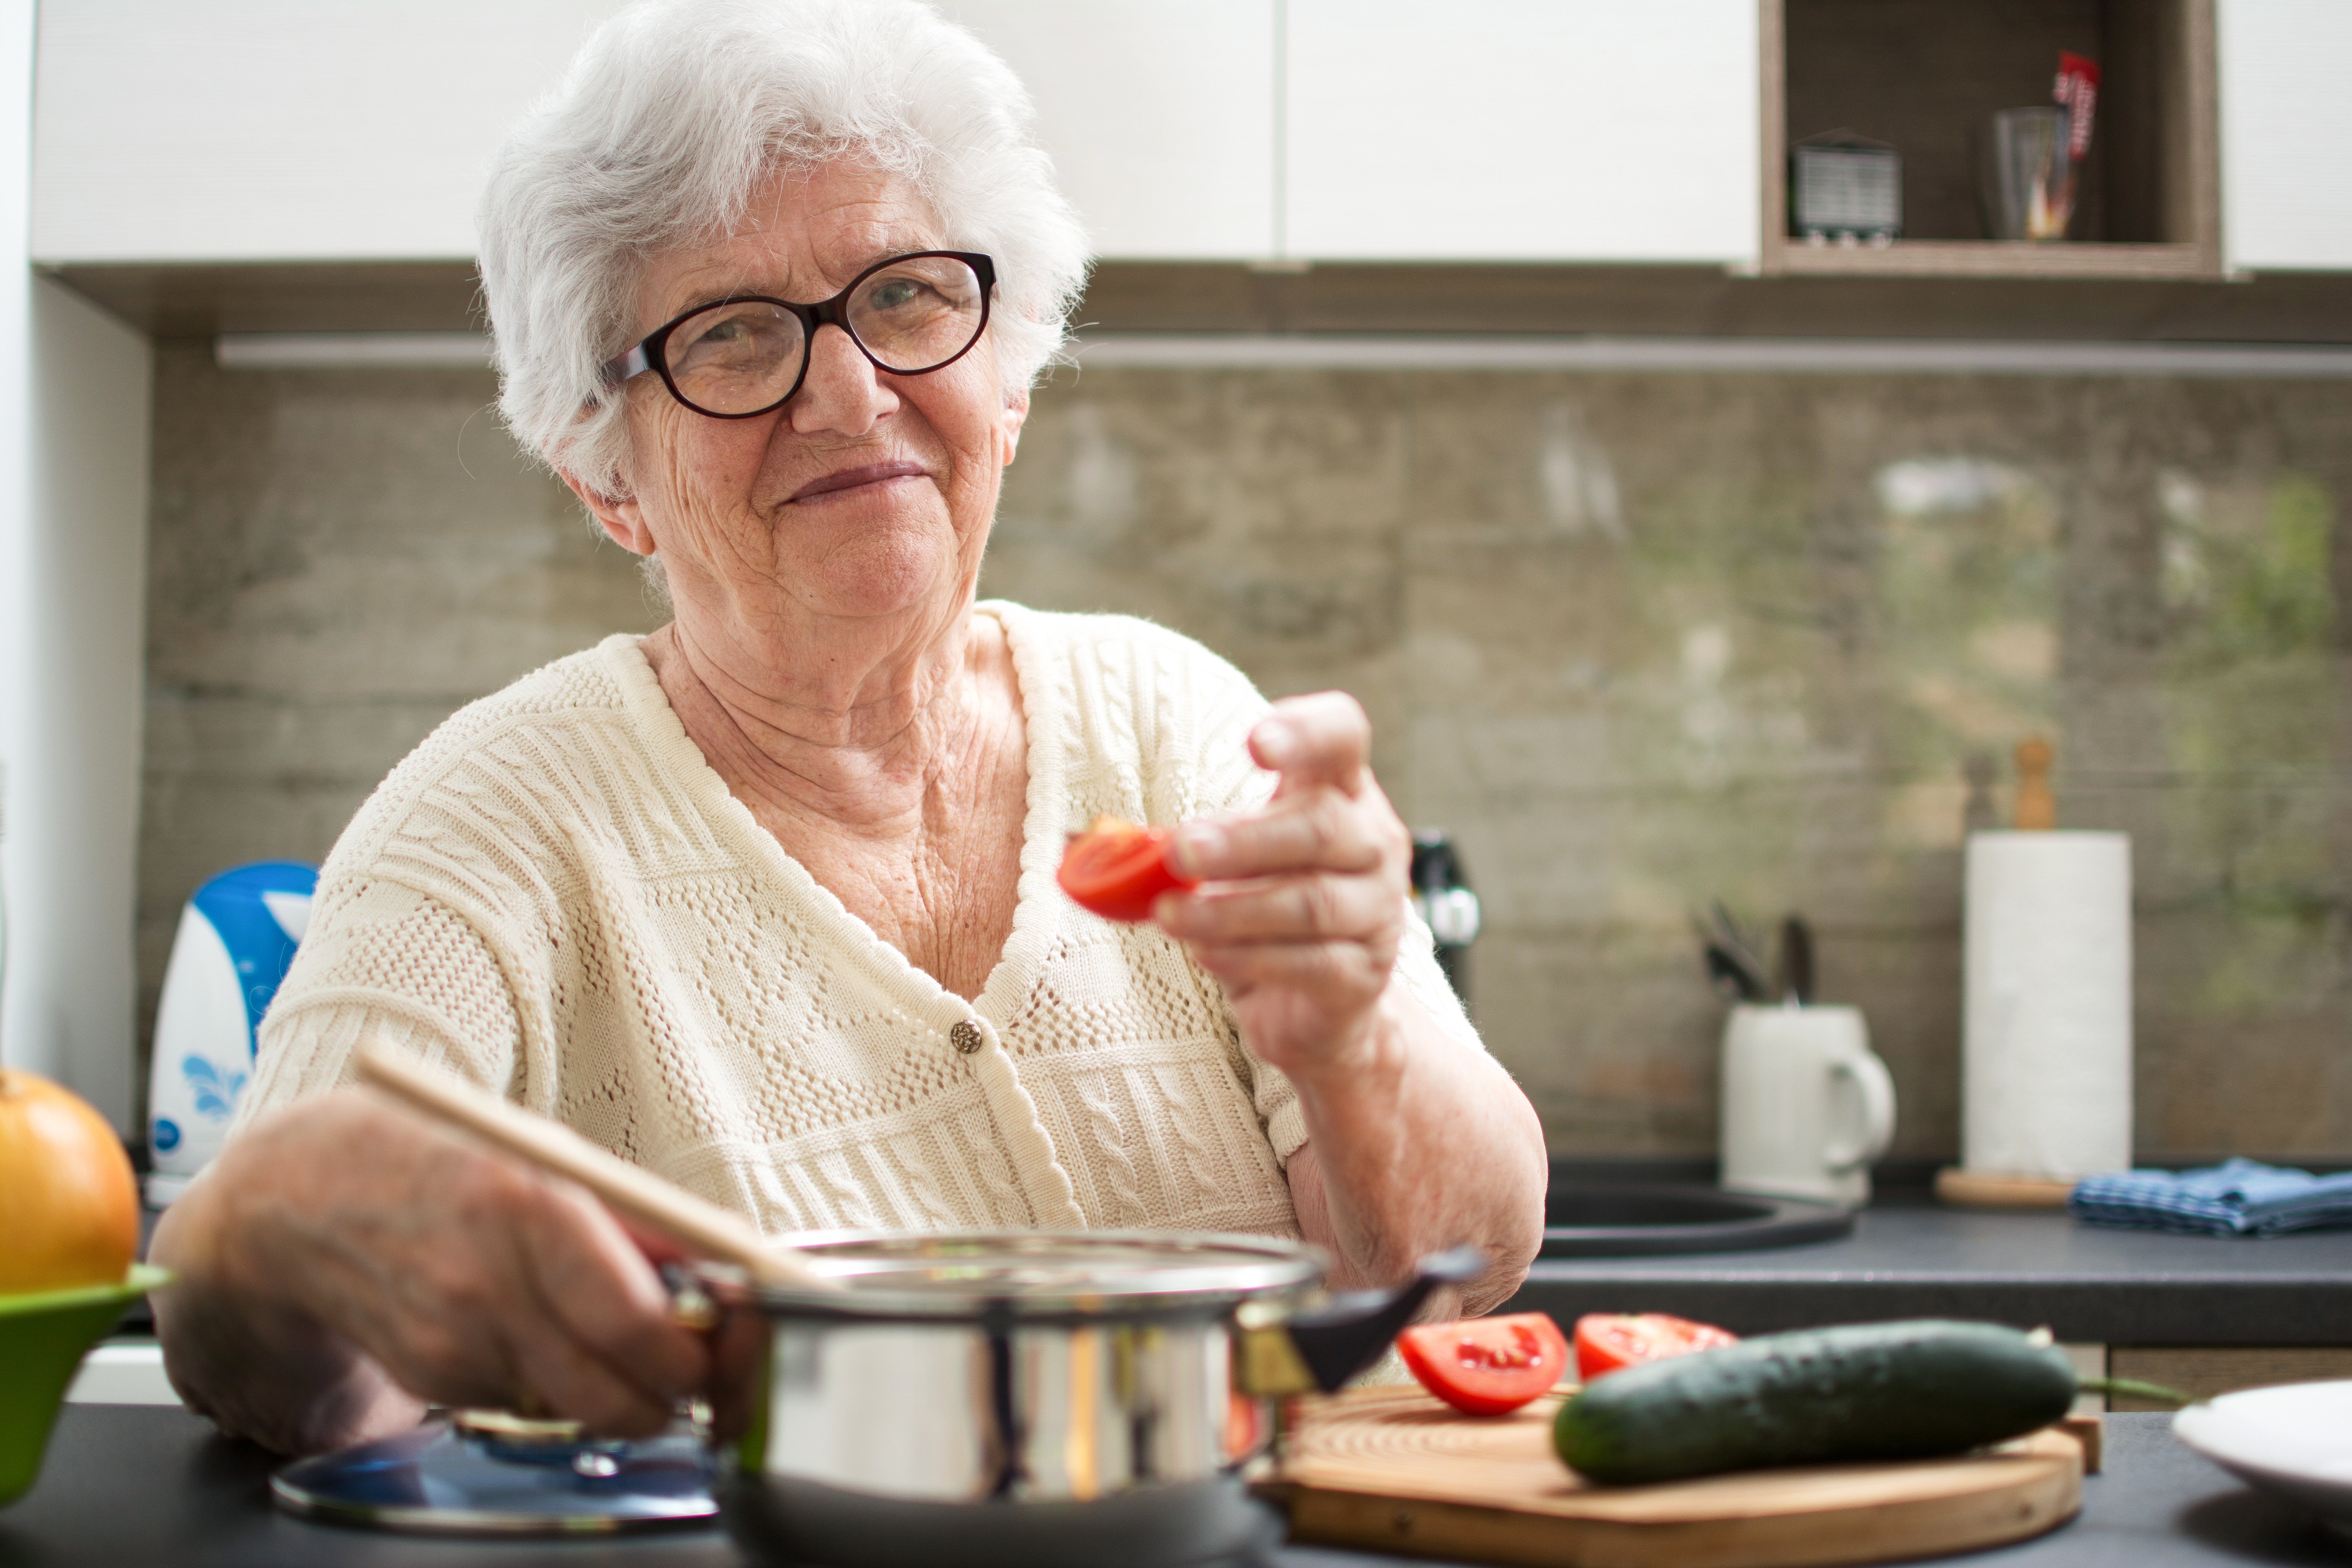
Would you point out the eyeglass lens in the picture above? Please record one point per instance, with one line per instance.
(910, 315)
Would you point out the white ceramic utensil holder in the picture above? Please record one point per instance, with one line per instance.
(1806, 1105)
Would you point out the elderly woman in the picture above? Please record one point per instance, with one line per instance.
(765, 901)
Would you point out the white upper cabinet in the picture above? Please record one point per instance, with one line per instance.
(351, 130)
(1522, 130)
(2286, 128)
(280, 130)
(1506, 129)
(1158, 115)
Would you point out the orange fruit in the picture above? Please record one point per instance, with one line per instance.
(68, 1202)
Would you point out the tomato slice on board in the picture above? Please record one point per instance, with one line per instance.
(1610, 1342)
(1117, 869)
(1487, 1366)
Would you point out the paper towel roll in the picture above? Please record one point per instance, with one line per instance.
(2046, 1063)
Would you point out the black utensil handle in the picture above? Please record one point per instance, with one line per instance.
(1796, 959)
(1726, 967)
(1725, 978)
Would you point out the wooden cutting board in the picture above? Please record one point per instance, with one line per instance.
(1391, 1469)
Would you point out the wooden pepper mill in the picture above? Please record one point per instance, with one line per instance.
(2037, 808)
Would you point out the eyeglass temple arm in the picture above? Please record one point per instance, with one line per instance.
(637, 361)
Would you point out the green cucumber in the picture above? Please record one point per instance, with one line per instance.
(1865, 1391)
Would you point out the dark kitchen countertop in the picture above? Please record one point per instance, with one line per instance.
(152, 1486)
(1910, 1256)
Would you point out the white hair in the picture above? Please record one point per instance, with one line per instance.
(669, 120)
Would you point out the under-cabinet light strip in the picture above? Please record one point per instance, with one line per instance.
(1226, 350)
(1878, 356)
(352, 351)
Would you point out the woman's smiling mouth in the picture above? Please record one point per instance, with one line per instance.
(851, 479)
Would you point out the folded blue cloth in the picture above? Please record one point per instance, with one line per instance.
(2243, 1197)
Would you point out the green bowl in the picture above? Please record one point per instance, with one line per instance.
(43, 1336)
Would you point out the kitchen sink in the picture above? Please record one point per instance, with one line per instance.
(1629, 1219)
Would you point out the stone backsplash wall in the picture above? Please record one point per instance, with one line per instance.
(338, 560)
(1638, 640)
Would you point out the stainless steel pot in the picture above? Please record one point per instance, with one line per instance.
(1035, 1399)
(1029, 1399)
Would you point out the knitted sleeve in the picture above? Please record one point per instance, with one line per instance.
(382, 962)
(1228, 706)
(433, 924)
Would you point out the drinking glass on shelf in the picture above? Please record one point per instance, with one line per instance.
(2029, 175)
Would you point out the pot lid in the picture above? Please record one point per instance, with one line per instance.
(486, 1478)
(1087, 1273)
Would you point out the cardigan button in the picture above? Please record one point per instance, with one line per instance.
(965, 1036)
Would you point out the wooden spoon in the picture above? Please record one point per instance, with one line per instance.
(552, 1147)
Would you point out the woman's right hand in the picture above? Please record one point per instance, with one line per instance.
(346, 1262)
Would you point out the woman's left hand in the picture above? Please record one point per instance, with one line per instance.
(1301, 905)
(1416, 1140)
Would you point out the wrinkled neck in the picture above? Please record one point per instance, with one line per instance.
(852, 728)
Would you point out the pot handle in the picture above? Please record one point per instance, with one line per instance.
(1322, 1349)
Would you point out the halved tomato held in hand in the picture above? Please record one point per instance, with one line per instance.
(1610, 1342)
(1487, 1366)
(1116, 870)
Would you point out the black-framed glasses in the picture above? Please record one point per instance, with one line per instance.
(738, 358)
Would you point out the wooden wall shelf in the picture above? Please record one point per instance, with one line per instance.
(1993, 258)
(1924, 75)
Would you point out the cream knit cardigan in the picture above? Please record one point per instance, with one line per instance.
(556, 896)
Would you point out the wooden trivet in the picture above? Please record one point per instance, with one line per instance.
(1992, 1190)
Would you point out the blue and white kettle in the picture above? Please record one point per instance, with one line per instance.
(236, 937)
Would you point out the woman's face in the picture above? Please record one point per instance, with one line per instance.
(867, 495)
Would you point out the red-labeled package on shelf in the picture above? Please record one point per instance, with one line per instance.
(2077, 93)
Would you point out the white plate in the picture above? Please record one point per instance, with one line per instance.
(2294, 1439)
